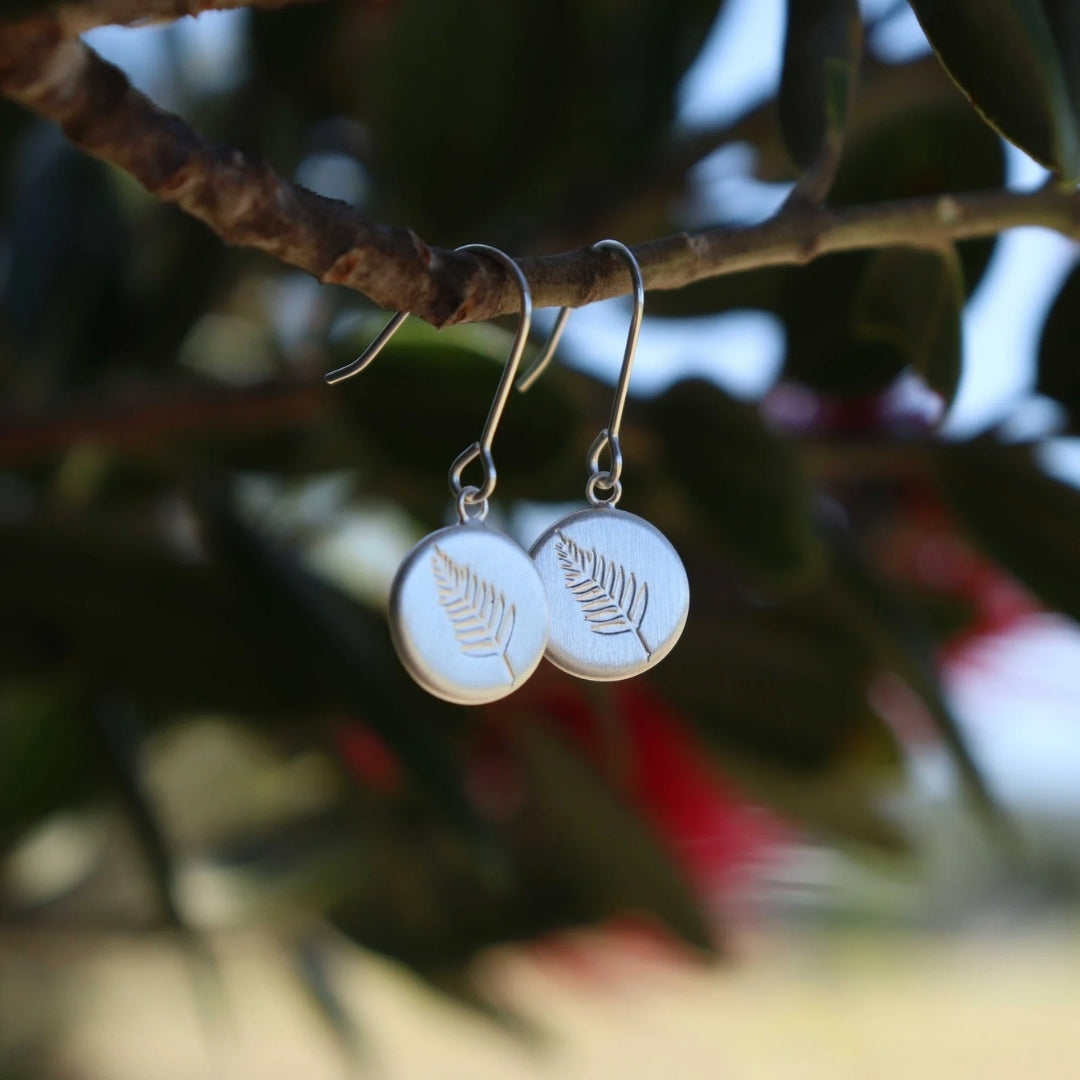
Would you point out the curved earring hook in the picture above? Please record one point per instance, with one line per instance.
(609, 437)
(356, 366)
(482, 448)
(547, 354)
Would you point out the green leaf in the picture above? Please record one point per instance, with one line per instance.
(44, 750)
(65, 308)
(842, 803)
(1024, 519)
(1059, 356)
(820, 350)
(565, 153)
(855, 321)
(1003, 56)
(761, 290)
(907, 649)
(821, 57)
(778, 692)
(119, 735)
(605, 846)
(111, 609)
(117, 729)
(19, 9)
(785, 682)
(743, 482)
(580, 854)
(911, 135)
(1064, 19)
(343, 651)
(909, 302)
(437, 386)
(906, 118)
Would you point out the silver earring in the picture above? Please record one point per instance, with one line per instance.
(468, 610)
(616, 587)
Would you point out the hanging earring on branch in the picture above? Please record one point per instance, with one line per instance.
(468, 611)
(617, 588)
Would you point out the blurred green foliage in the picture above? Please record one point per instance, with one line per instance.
(156, 382)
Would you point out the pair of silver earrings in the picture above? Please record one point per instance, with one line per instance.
(602, 593)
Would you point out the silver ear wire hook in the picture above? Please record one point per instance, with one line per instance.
(609, 437)
(547, 353)
(482, 448)
(466, 495)
(356, 366)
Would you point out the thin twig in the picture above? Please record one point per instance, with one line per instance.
(150, 423)
(246, 203)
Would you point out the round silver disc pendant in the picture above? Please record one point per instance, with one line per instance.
(617, 590)
(468, 614)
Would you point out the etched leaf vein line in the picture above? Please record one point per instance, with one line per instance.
(482, 620)
(611, 599)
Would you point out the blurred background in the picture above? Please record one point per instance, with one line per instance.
(832, 835)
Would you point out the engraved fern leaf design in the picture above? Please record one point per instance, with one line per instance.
(483, 621)
(611, 600)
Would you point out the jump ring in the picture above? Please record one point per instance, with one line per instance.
(603, 480)
(468, 497)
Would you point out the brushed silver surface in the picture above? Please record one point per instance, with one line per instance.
(468, 614)
(617, 590)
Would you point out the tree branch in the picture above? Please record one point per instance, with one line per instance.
(148, 423)
(77, 16)
(246, 203)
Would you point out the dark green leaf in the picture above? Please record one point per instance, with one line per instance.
(605, 845)
(342, 650)
(119, 735)
(785, 682)
(844, 803)
(1026, 520)
(779, 694)
(1064, 19)
(71, 243)
(19, 9)
(44, 752)
(913, 134)
(907, 650)
(1059, 350)
(111, 609)
(743, 482)
(1003, 56)
(437, 386)
(909, 302)
(821, 58)
(119, 738)
(762, 290)
(820, 350)
(580, 855)
(565, 153)
(415, 893)
(856, 321)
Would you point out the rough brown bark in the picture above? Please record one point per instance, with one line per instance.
(78, 16)
(246, 203)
